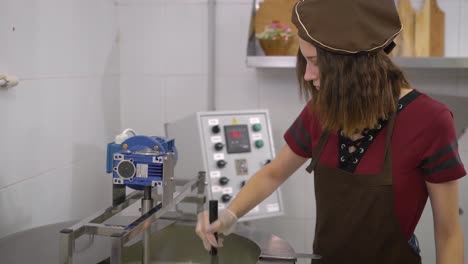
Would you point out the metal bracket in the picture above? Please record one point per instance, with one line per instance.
(120, 235)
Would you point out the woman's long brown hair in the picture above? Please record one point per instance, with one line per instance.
(355, 90)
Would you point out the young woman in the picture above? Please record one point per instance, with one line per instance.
(379, 148)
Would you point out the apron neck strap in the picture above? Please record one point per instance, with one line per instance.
(324, 138)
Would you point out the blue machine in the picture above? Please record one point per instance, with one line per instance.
(139, 160)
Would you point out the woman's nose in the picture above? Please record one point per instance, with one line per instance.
(311, 73)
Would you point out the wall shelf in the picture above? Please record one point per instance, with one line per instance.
(422, 63)
(257, 59)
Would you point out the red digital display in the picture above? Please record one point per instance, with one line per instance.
(235, 134)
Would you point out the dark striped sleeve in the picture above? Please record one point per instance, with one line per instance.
(441, 161)
(298, 136)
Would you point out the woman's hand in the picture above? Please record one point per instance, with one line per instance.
(225, 224)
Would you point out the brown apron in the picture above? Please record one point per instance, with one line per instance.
(356, 220)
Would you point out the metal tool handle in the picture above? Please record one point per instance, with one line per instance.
(213, 218)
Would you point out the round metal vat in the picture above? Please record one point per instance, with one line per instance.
(171, 243)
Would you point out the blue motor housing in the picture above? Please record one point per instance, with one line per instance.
(139, 160)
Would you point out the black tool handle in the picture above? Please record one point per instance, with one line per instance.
(213, 218)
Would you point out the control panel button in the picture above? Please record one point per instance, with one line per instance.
(221, 163)
(215, 129)
(257, 127)
(226, 198)
(259, 143)
(219, 146)
(223, 181)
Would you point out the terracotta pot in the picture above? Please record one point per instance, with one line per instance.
(278, 46)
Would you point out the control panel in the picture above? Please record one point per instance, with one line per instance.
(230, 147)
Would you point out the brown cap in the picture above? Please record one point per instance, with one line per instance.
(347, 26)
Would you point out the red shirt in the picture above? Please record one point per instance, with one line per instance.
(424, 148)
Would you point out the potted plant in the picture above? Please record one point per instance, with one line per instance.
(277, 39)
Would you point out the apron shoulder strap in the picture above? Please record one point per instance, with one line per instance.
(387, 164)
(318, 151)
(391, 125)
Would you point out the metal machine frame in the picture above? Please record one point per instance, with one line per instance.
(120, 235)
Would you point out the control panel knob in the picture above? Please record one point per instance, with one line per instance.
(219, 146)
(215, 129)
(267, 161)
(259, 143)
(226, 198)
(257, 127)
(242, 184)
(221, 163)
(223, 181)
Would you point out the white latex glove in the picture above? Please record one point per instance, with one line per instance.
(225, 224)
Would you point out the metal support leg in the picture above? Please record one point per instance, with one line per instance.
(201, 189)
(118, 194)
(66, 246)
(146, 205)
(168, 180)
(117, 250)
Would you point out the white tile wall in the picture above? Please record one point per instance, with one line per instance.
(15, 205)
(164, 62)
(59, 45)
(309, 195)
(95, 50)
(164, 37)
(141, 38)
(434, 81)
(143, 103)
(185, 39)
(53, 197)
(185, 95)
(295, 202)
(279, 88)
(237, 92)
(232, 24)
(48, 117)
(26, 41)
(425, 233)
(452, 21)
(463, 28)
(35, 129)
(57, 121)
